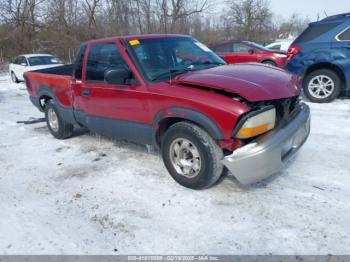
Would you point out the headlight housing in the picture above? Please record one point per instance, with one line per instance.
(257, 123)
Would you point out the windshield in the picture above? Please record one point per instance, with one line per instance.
(261, 47)
(43, 60)
(161, 58)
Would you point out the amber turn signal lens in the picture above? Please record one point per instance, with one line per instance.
(258, 124)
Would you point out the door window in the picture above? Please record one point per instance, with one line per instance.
(226, 48)
(17, 60)
(345, 36)
(241, 48)
(22, 60)
(103, 57)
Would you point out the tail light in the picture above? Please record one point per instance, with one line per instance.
(293, 51)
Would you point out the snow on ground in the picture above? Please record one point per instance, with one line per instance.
(90, 195)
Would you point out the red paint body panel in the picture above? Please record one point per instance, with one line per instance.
(143, 102)
(222, 110)
(254, 82)
(60, 85)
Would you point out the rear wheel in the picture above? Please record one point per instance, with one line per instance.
(191, 156)
(59, 128)
(322, 86)
(269, 62)
(14, 78)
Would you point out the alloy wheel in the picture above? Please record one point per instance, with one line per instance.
(53, 119)
(321, 86)
(185, 157)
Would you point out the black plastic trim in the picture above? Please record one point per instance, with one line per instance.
(67, 113)
(191, 115)
(36, 102)
(121, 129)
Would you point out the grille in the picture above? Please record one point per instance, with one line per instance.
(284, 107)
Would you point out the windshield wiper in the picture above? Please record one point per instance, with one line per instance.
(212, 63)
(172, 72)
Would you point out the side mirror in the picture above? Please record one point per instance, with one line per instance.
(251, 51)
(23, 64)
(118, 76)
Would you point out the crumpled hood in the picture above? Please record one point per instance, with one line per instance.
(254, 82)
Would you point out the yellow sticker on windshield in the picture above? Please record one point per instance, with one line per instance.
(134, 42)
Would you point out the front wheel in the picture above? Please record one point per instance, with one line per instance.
(191, 156)
(322, 86)
(14, 78)
(58, 127)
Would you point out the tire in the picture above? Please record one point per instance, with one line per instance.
(187, 142)
(322, 93)
(59, 128)
(269, 62)
(14, 78)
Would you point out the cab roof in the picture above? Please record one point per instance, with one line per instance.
(139, 37)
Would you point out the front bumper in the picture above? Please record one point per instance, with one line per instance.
(267, 155)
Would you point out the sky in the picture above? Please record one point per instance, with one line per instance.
(309, 8)
(305, 8)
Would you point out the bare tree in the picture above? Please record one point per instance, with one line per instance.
(174, 13)
(90, 7)
(292, 26)
(21, 13)
(248, 19)
(21, 20)
(59, 26)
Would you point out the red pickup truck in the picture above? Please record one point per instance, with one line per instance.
(173, 92)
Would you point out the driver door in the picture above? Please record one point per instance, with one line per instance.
(226, 52)
(115, 110)
(244, 53)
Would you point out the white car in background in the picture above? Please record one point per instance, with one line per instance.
(282, 46)
(31, 62)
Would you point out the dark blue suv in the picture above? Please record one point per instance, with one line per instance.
(321, 56)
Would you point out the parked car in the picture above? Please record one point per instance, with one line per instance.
(173, 92)
(244, 51)
(321, 56)
(30, 62)
(279, 46)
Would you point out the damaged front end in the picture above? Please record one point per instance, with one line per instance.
(266, 153)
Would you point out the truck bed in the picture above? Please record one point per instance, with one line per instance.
(54, 81)
(65, 70)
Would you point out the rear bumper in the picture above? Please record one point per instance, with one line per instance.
(267, 155)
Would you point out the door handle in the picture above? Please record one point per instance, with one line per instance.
(85, 93)
(347, 46)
